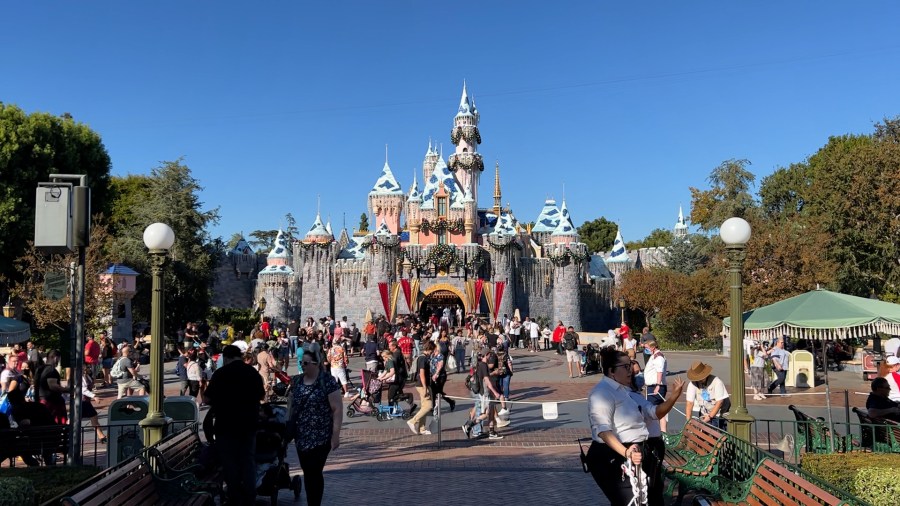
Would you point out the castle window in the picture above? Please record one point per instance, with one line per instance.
(442, 206)
(442, 238)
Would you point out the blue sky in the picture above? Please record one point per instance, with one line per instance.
(625, 105)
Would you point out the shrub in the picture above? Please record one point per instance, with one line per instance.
(864, 475)
(52, 480)
(878, 485)
(16, 491)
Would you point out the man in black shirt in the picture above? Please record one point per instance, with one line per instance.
(878, 405)
(234, 394)
(293, 332)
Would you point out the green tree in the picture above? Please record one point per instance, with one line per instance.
(688, 254)
(263, 240)
(363, 223)
(598, 234)
(657, 237)
(232, 242)
(172, 197)
(784, 193)
(728, 196)
(32, 146)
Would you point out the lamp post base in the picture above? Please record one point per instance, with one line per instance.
(154, 427)
(740, 424)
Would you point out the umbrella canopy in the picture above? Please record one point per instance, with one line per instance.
(821, 314)
(13, 331)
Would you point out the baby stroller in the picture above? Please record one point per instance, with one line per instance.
(364, 401)
(272, 473)
(280, 388)
(392, 409)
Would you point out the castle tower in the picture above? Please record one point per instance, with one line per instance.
(681, 229)
(546, 222)
(466, 162)
(618, 261)
(386, 199)
(431, 158)
(314, 263)
(569, 258)
(383, 253)
(274, 282)
(413, 208)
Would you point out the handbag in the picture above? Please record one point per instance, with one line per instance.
(451, 362)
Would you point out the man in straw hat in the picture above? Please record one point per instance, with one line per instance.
(707, 392)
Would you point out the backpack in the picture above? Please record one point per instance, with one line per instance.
(472, 382)
(502, 370)
(570, 342)
(117, 371)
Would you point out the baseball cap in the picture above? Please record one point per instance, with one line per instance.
(893, 360)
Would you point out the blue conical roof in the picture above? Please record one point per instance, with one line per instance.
(440, 175)
(318, 229)
(280, 249)
(548, 219)
(565, 227)
(414, 195)
(618, 253)
(387, 184)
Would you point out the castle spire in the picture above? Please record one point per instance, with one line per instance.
(497, 194)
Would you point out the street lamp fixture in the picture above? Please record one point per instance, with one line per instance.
(158, 238)
(9, 310)
(622, 309)
(262, 308)
(735, 232)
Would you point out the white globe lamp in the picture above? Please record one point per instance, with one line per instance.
(735, 231)
(159, 236)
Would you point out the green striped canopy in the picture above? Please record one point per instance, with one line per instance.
(821, 314)
(13, 331)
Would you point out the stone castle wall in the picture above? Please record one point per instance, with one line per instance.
(535, 288)
(235, 281)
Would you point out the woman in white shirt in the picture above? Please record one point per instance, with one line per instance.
(628, 345)
(618, 429)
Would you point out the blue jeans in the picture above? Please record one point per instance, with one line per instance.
(460, 356)
(780, 376)
(504, 386)
(293, 340)
(236, 452)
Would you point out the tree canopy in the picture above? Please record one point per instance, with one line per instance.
(598, 234)
(33, 146)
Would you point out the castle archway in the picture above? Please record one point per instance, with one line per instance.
(439, 296)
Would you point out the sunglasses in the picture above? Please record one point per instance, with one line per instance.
(309, 362)
(621, 365)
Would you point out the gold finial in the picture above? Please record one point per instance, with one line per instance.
(497, 194)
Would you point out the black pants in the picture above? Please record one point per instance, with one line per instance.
(312, 462)
(438, 388)
(606, 469)
(654, 399)
(655, 490)
(236, 453)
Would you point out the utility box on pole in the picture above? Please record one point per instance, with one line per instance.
(53, 232)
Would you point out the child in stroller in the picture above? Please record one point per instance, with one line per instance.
(365, 399)
(272, 472)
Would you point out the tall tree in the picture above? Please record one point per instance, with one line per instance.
(688, 254)
(172, 197)
(658, 237)
(363, 223)
(729, 195)
(598, 234)
(32, 146)
(233, 241)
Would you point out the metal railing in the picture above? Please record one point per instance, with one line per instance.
(792, 438)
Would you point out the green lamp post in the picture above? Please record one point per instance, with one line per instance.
(735, 232)
(158, 238)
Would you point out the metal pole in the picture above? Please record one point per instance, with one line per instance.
(78, 357)
(847, 412)
(440, 436)
(828, 399)
(740, 420)
(155, 422)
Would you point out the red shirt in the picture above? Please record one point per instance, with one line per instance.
(91, 352)
(624, 331)
(406, 345)
(558, 333)
(264, 327)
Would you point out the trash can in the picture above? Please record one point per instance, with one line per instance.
(182, 410)
(125, 437)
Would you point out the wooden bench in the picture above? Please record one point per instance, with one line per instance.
(812, 434)
(878, 434)
(692, 457)
(148, 480)
(774, 483)
(35, 444)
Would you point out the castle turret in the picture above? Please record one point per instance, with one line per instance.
(383, 253)
(498, 195)
(386, 199)
(546, 222)
(413, 207)
(431, 158)
(681, 228)
(314, 263)
(618, 261)
(466, 162)
(569, 258)
(565, 231)
(274, 282)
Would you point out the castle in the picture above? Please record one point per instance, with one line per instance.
(450, 252)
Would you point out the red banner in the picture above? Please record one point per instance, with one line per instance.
(405, 284)
(385, 299)
(498, 296)
(479, 285)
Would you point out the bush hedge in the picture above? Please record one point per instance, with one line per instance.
(16, 491)
(872, 477)
(52, 481)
